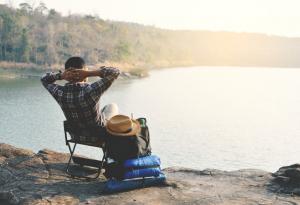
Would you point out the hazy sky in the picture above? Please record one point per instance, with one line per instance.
(281, 17)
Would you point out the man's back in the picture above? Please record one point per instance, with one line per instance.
(80, 101)
(78, 105)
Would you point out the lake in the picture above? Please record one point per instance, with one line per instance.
(201, 117)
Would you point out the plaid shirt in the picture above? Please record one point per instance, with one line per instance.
(80, 101)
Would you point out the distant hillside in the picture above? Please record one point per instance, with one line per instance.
(42, 36)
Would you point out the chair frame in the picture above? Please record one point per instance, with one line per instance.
(84, 161)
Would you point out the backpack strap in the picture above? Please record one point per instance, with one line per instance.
(145, 135)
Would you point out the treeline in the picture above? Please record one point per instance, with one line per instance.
(43, 36)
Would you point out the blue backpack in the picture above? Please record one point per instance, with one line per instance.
(147, 166)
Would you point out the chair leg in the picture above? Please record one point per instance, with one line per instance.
(72, 152)
(102, 164)
(99, 169)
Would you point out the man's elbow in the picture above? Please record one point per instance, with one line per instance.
(45, 79)
(42, 79)
(117, 72)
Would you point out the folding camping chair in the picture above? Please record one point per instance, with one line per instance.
(75, 136)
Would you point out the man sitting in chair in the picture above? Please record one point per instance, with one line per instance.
(78, 99)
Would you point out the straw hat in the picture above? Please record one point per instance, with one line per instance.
(121, 125)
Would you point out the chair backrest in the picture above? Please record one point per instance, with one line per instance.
(89, 135)
(69, 127)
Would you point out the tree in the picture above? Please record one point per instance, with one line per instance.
(122, 51)
(41, 8)
(25, 8)
(89, 17)
(8, 35)
(24, 47)
(51, 57)
(53, 14)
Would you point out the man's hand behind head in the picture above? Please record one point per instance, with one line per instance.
(67, 75)
(78, 75)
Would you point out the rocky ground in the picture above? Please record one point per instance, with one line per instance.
(30, 178)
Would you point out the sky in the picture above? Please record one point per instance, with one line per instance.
(274, 17)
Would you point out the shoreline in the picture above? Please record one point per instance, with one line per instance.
(10, 75)
(128, 70)
(10, 70)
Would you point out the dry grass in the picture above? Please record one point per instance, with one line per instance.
(14, 66)
(14, 69)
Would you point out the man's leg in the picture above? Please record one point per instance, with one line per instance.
(109, 111)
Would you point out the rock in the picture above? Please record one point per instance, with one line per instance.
(8, 151)
(29, 178)
(287, 180)
(292, 171)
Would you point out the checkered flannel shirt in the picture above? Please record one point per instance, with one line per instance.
(80, 101)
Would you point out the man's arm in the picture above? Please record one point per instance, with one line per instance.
(48, 81)
(108, 75)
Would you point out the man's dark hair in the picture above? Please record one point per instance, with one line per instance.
(75, 62)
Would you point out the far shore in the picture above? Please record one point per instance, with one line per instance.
(13, 70)
(129, 70)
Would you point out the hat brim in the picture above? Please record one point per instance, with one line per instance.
(136, 128)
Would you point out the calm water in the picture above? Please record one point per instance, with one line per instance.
(224, 118)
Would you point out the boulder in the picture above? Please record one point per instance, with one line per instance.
(287, 180)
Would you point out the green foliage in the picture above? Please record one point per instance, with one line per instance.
(43, 36)
(121, 51)
(8, 35)
(25, 9)
(24, 47)
(41, 8)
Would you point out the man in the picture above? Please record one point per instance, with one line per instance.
(80, 100)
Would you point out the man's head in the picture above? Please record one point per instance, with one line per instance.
(75, 63)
